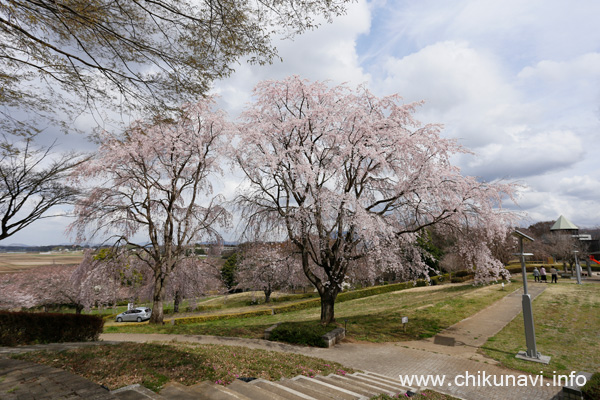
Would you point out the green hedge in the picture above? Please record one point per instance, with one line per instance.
(23, 328)
(315, 302)
(302, 305)
(198, 308)
(591, 390)
(359, 294)
(204, 318)
(303, 333)
(518, 270)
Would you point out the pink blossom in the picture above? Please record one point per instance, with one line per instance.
(351, 179)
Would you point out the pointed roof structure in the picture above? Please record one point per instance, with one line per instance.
(563, 224)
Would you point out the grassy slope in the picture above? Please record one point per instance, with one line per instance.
(567, 322)
(375, 318)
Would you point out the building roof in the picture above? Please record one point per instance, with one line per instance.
(563, 224)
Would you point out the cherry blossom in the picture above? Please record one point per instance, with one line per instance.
(345, 175)
(154, 180)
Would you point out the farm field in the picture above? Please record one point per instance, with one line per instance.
(15, 262)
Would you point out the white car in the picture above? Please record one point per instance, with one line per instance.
(138, 314)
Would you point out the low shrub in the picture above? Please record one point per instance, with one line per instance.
(301, 305)
(518, 269)
(462, 274)
(290, 297)
(457, 279)
(303, 333)
(591, 390)
(204, 318)
(23, 328)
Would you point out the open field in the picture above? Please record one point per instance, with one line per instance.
(567, 328)
(15, 262)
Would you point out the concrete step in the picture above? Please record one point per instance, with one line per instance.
(378, 388)
(347, 385)
(218, 392)
(380, 382)
(177, 391)
(387, 379)
(331, 391)
(201, 391)
(253, 391)
(358, 386)
(311, 391)
(285, 392)
(135, 392)
(317, 381)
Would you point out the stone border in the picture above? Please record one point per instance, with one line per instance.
(333, 337)
(574, 392)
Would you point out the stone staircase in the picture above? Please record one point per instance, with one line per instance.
(360, 385)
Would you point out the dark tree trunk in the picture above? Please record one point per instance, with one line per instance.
(267, 290)
(157, 299)
(176, 302)
(78, 309)
(327, 305)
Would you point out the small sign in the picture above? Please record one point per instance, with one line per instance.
(405, 320)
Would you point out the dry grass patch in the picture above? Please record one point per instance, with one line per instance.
(153, 365)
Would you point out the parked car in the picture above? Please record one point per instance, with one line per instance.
(138, 314)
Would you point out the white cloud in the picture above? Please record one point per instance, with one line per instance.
(327, 53)
(517, 82)
(517, 30)
(527, 154)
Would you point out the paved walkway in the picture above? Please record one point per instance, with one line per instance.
(465, 337)
(431, 357)
(21, 380)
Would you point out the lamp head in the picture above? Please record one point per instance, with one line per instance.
(521, 235)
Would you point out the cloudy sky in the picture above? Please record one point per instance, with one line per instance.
(517, 82)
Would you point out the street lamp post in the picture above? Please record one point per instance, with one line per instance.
(531, 354)
(577, 267)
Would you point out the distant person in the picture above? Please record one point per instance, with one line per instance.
(554, 273)
(536, 274)
(543, 274)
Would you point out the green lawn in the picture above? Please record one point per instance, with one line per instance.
(567, 326)
(375, 318)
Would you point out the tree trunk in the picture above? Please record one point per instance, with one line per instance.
(78, 309)
(176, 302)
(267, 292)
(267, 296)
(157, 300)
(327, 306)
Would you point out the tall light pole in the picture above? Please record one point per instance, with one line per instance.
(577, 267)
(531, 354)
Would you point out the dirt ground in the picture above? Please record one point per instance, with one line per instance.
(14, 262)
